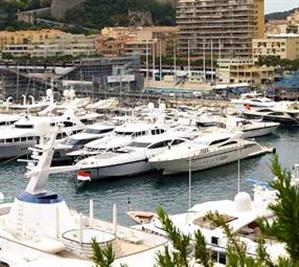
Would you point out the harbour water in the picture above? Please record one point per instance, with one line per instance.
(148, 191)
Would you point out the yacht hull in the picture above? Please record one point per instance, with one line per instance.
(209, 160)
(283, 120)
(120, 170)
(12, 150)
(259, 132)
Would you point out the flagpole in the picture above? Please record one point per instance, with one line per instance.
(190, 183)
(239, 172)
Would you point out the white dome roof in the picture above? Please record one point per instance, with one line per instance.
(242, 202)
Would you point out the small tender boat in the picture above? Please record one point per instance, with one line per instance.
(142, 217)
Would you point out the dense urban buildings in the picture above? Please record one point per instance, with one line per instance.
(27, 37)
(243, 70)
(115, 41)
(224, 27)
(65, 45)
(283, 46)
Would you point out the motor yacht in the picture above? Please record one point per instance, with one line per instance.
(250, 128)
(17, 138)
(8, 119)
(241, 214)
(121, 136)
(283, 116)
(75, 142)
(252, 100)
(131, 159)
(207, 151)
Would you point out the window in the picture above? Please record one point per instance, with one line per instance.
(177, 142)
(68, 124)
(160, 144)
(24, 126)
(218, 141)
(9, 140)
(222, 258)
(229, 143)
(214, 240)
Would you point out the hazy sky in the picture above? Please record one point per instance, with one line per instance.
(280, 5)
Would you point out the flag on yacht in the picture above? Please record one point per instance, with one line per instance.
(83, 176)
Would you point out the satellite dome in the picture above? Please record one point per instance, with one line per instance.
(243, 202)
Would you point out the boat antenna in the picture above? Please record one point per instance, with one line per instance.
(190, 181)
(239, 172)
(129, 204)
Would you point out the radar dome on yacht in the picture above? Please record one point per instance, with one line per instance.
(242, 202)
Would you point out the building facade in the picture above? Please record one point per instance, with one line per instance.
(68, 44)
(283, 46)
(225, 28)
(116, 41)
(243, 70)
(27, 37)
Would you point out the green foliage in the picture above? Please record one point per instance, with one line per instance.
(285, 226)
(102, 257)
(98, 14)
(181, 242)
(285, 64)
(202, 254)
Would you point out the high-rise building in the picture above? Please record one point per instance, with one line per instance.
(225, 27)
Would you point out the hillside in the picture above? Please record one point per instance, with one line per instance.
(100, 13)
(279, 15)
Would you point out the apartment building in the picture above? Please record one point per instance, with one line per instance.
(27, 37)
(283, 46)
(243, 70)
(222, 27)
(276, 26)
(67, 44)
(115, 41)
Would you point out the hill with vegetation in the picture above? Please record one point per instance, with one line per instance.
(280, 15)
(100, 13)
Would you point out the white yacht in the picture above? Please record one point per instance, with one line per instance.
(8, 119)
(39, 229)
(131, 159)
(241, 214)
(252, 100)
(207, 151)
(75, 142)
(284, 116)
(17, 138)
(121, 136)
(250, 128)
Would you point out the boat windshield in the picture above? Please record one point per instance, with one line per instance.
(139, 144)
(96, 131)
(201, 142)
(24, 126)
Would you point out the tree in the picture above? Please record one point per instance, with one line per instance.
(102, 257)
(285, 226)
